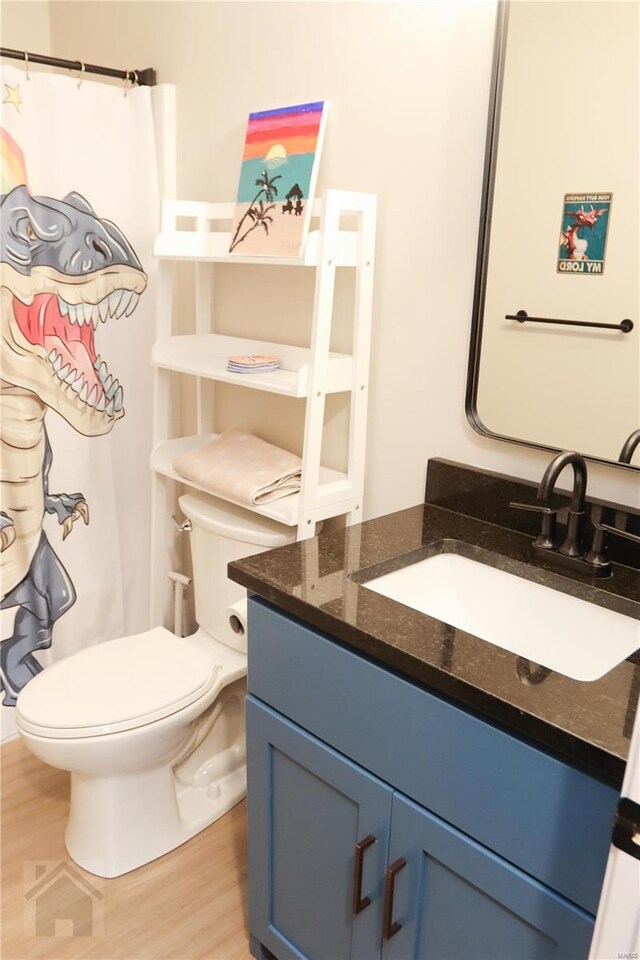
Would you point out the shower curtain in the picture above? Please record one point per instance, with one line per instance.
(78, 215)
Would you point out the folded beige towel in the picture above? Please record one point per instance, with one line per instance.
(242, 468)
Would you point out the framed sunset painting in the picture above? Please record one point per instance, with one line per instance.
(277, 180)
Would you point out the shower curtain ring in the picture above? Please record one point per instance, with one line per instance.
(127, 80)
(26, 65)
(81, 73)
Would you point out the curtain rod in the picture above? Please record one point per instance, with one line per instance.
(141, 78)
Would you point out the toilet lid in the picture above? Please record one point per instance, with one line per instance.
(117, 685)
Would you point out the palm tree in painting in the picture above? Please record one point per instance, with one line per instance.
(258, 213)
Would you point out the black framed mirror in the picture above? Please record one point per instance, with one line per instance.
(555, 345)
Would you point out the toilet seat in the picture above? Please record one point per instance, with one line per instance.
(117, 685)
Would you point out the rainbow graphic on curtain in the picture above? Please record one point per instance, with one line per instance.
(14, 171)
(277, 180)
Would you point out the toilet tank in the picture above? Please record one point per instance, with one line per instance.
(220, 533)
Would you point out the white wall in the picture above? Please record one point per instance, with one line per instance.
(408, 83)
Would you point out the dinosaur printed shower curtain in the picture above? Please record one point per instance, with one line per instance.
(78, 214)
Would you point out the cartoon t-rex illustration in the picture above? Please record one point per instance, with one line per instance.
(63, 270)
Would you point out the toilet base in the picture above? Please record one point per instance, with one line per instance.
(119, 823)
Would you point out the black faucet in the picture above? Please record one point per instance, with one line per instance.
(629, 447)
(572, 552)
(571, 547)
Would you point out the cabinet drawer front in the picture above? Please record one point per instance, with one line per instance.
(455, 900)
(308, 807)
(551, 820)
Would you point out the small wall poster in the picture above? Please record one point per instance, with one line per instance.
(277, 180)
(583, 233)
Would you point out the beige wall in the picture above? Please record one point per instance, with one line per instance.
(26, 25)
(408, 85)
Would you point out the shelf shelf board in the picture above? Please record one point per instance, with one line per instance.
(206, 356)
(285, 511)
(204, 244)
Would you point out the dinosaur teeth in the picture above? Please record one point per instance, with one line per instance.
(77, 386)
(84, 393)
(102, 372)
(124, 302)
(117, 399)
(115, 304)
(93, 396)
(83, 313)
(52, 356)
(133, 303)
(114, 300)
(57, 363)
(71, 376)
(101, 405)
(64, 372)
(110, 408)
(91, 315)
(111, 390)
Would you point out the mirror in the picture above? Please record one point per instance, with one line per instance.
(555, 347)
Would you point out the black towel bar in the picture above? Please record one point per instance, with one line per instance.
(625, 326)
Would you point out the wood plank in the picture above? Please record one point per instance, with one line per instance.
(191, 903)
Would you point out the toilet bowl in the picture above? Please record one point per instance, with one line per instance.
(151, 726)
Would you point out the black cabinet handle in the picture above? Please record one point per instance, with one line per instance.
(626, 827)
(360, 902)
(389, 925)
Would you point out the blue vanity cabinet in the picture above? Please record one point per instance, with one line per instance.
(308, 808)
(453, 899)
(504, 845)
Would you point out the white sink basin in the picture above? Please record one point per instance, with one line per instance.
(571, 636)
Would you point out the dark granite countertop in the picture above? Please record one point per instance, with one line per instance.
(321, 582)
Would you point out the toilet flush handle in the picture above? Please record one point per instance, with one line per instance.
(184, 527)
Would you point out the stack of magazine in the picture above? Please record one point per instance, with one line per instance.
(252, 363)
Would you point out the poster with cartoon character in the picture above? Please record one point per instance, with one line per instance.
(583, 233)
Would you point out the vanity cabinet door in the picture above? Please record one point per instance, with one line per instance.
(456, 900)
(308, 807)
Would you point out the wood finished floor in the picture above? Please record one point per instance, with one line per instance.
(189, 904)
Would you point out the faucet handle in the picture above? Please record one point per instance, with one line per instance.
(607, 528)
(534, 507)
(546, 537)
(597, 555)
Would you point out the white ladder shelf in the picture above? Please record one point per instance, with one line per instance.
(309, 373)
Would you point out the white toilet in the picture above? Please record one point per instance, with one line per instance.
(152, 726)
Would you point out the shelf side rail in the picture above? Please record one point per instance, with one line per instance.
(318, 501)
